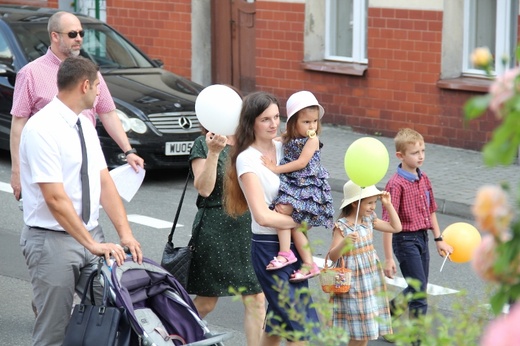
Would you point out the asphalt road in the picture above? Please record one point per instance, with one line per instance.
(151, 213)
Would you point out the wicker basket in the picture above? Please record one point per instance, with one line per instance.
(335, 279)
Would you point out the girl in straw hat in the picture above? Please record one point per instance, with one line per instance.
(364, 310)
(304, 190)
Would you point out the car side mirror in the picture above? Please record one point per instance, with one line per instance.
(6, 71)
(158, 63)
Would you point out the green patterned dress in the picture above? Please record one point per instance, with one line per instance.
(223, 249)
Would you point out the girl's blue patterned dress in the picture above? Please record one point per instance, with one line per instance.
(307, 190)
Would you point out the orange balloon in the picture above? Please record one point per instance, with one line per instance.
(464, 238)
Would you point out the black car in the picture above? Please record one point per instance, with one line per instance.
(156, 107)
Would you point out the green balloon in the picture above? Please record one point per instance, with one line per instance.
(366, 161)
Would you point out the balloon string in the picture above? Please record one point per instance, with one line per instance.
(357, 212)
(445, 258)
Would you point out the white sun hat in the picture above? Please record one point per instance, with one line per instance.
(353, 193)
(301, 100)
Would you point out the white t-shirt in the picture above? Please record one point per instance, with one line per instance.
(50, 152)
(249, 161)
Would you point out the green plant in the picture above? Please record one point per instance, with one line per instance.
(498, 257)
(318, 334)
(461, 325)
(503, 100)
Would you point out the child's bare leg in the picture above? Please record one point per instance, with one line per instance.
(301, 242)
(285, 255)
(309, 269)
(302, 245)
(284, 237)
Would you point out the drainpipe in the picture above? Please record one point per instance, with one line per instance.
(97, 9)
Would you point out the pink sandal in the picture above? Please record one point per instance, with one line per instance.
(277, 264)
(298, 276)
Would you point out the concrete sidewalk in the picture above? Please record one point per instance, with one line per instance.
(456, 174)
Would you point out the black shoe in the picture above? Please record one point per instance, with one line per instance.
(34, 309)
(397, 308)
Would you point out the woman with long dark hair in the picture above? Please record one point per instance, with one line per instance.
(251, 185)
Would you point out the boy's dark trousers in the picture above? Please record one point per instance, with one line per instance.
(411, 251)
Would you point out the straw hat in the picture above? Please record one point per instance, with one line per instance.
(353, 193)
(301, 100)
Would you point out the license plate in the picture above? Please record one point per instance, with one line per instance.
(177, 148)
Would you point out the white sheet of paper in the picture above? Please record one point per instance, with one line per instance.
(127, 180)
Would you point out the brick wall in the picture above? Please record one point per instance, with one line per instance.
(162, 29)
(398, 89)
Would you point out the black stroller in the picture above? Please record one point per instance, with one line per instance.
(158, 308)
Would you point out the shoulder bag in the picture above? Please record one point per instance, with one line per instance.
(177, 260)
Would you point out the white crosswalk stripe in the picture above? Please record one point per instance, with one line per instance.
(5, 187)
(150, 221)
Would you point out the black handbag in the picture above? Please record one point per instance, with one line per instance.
(95, 325)
(177, 260)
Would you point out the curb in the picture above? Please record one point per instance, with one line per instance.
(454, 208)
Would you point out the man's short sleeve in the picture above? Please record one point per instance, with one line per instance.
(44, 157)
(22, 97)
(105, 103)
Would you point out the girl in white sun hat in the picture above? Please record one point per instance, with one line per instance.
(304, 191)
(364, 310)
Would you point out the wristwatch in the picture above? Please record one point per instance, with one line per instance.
(439, 238)
(131, 151)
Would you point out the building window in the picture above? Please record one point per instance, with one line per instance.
(346, 30)
(492, 24)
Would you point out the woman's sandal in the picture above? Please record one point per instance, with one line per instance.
(277, 264)
(312, 271)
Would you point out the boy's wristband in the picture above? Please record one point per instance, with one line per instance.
(131, 151)
(439, 238)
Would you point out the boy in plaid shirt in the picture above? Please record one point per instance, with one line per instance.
(413, 199)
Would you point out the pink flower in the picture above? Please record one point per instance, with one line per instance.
(502, 89)
(503, 331)
(492, 210)
(484, 259)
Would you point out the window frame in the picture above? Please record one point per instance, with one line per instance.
(505, 36)
(359, 32)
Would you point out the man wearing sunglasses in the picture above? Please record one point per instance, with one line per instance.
(36, 86)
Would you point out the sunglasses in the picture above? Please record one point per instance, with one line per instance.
(73, 34)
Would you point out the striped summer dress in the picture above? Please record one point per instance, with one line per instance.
(364, 310)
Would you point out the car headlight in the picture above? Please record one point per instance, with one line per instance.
(134, 124)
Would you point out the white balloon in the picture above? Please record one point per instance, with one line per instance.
(218, 109)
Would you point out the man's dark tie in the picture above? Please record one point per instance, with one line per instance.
(85, 187)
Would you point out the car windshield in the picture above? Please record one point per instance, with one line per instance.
(100, 43)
